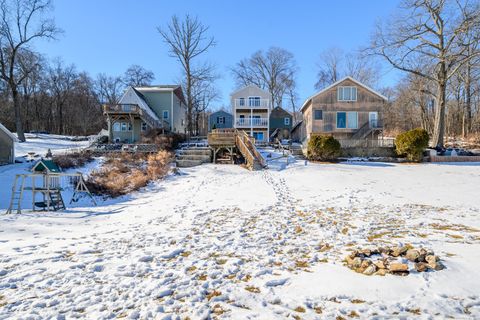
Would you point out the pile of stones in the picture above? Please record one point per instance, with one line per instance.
(393, 260)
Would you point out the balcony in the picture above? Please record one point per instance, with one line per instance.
(249, 103)
(121, 108)
(253, 122)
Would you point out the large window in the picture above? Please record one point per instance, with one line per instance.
(116, 126)
(124, 126)
(347, 120)
(341, 120)
(352, 120)
(318, 115)
(254, 101)
(347, 94)
(242, 101)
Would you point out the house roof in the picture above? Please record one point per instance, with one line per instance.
(280, 111)
(45, 164)
(338, 82)
(143, 102)
(245, 87)
(221, 111)
(11, 135)
(176, 88)
(299, 123)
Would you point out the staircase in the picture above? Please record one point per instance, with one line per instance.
(193, 156)
(230, 139)
(367, 129)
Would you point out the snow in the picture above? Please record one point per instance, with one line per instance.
(221, 240)
(40, 143)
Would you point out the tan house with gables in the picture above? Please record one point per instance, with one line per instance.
(347, 109)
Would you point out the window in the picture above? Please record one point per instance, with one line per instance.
(341, 120)
(352, 120)
(318, 115)
(254, 101)
(220, 120)
(347, 120)
(347, 94)
(129, 126)
(124, 126)
(258, 136)
(144, 126)
(116, 126)
(286, 121)
(241, 101)
(165, 114)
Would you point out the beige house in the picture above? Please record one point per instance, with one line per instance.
(7, 145)
(348, 110)
(144, 108)
(251, 112)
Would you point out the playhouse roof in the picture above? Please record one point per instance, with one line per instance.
(45, 164)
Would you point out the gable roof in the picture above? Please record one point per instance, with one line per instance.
(221, 111)
(299, 123)
(279, 110)
(45, 164)
(176, 88)
(245, 87)
(142, 102)
(11, 135)
(338, 82)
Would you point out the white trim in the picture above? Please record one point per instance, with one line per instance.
(171, 109)
(10, 134)
(143, 105)
(340, 81)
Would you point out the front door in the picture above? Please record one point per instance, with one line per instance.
(373, 119)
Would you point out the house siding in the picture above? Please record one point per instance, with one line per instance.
(327, 101)
(7, 145)
(212, 120)
(160, 102)
(277, 121)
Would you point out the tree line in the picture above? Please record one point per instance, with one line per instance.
(434, 43)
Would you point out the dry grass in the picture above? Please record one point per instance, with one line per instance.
(124, 173)
(73, 160)
(252, 289)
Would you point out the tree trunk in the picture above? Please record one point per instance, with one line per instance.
(18, 114)
(439, 127)
(468, 101)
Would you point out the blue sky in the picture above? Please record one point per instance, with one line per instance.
(110, 35)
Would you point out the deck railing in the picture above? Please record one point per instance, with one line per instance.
(251, 122)
(251, 103)
(121, 108)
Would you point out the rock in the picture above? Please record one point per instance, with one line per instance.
(367, 252)
(431, 259)
(357, 262)
(412, 255)
(396, 251)
(398, 267)
(370, 270)
(349, 261)
(366, 263)
(437, 266)
(381, 272)
(421, 266)
(380, 264)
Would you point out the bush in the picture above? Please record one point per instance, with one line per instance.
(323, 148)
(412, 143)
(165, 141)
(123, 173)
(73, 160)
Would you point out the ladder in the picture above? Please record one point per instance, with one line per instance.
(56, 200)
(17, 195)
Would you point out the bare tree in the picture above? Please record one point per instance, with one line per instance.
(187, 39)
(433, 31)
(334, 64)
(138, 76)
(108, 88)
(271, 71)
(22, 21)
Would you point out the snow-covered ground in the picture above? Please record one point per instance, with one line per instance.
(40, 143)
(224, 242)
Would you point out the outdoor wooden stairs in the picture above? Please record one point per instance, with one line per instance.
(233, 139)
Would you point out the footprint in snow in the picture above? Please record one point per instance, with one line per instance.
(276, 282)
